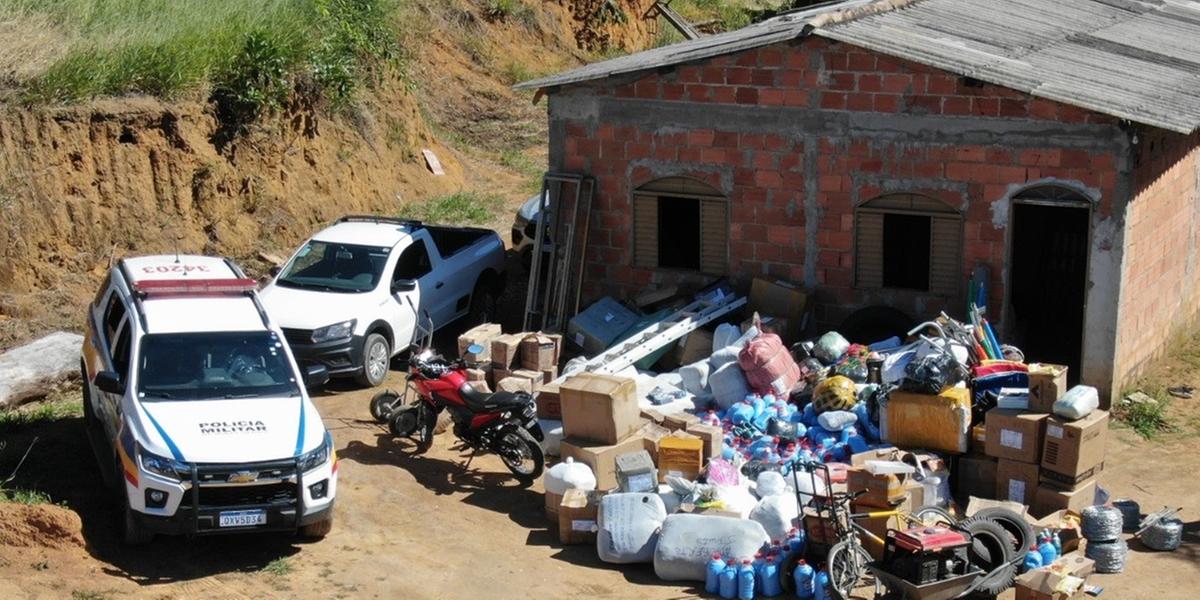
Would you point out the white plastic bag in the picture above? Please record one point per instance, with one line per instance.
(568, 475)
(837, 420)
(777, 514)
(695, 377)
(1077, 403)
(687, 542)
(737, 498)
(553, 431)
(830, 347)
(728, 385)
(770, 483)
(629, 525)
(727, 334)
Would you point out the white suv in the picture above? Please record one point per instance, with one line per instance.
(194, 406)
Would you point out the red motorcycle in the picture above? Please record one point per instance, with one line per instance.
(504, 423)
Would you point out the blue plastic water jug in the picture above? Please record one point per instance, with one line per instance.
(1046, 549)
(821, 586)
(745, 581)
(770, 577)
(712, 574)
(728, 587)
(809, 417)
(802, 577)
(796, 542)
(1057, 543)
(1033, 559)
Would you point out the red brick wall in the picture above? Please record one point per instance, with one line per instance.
(1159, 291)
(765, 174)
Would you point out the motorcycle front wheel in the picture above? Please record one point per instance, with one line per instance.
(522, 455)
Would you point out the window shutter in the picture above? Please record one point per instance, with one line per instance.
(714, 236)
(645, 231)
(945, 255)
(868, 249)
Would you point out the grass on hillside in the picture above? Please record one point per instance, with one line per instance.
(54, 409)
(250, 53)
(459, 208)
(278, 567)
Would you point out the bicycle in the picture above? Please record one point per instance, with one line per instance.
(847, 558)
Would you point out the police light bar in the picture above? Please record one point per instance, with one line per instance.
(199, 287)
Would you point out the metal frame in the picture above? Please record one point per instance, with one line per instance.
(552, 300)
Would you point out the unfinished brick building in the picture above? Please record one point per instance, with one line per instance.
(879, 153)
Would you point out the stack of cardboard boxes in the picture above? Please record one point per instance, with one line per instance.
(518, 362)
(1033, 457)
(887, 491)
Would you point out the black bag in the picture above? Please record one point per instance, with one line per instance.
(931, 374)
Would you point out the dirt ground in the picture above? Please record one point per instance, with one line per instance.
(437, 526)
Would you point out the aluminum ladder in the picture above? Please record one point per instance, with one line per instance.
(647, 341)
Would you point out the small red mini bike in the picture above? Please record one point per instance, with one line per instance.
(504, 423)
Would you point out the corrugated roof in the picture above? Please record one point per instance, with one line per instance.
(1134, 59)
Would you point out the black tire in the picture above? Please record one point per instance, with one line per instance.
(428, 430)
(518, 440)
(483, 303)
(991, 550)
(846, 569)
(132, 533)
(376, 359)
(383, 404)
(1018, 529)
(405, 421)
(318, 530)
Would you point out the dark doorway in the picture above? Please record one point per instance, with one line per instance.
(1048, 279)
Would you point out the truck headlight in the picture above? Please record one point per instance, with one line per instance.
(336, 331)
(318, 457)
(163, 466)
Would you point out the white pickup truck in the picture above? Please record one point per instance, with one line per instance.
(350, 297)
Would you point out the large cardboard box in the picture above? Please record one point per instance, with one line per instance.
(601, 458)
(713, 436)
(913, 498)
(577, 523)
(482, 335)
(882, 489)
(549, 404)
(975, 476)
(1047, 383)
(680, 456)
(695, 346)
(1016, 481)
(538, 352)
(1049, 499)
(534, 378)
(779, 299)
(1067, 482)
(599, 408)
(552, 502)
(680, 421)
(886, 490)
(506, 349)
(1043, 584)
(1075, 448)
(1015, 435)
(927, 421)
(514, 385)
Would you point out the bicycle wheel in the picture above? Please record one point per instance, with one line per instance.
(847, 563)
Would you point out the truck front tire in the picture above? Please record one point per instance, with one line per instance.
(133, 534)
(376, 359)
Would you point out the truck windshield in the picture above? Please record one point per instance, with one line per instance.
(334, 267)
(206, 366)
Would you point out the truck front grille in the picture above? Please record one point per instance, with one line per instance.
(297, 336)
(242, 495)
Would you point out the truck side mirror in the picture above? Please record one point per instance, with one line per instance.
(315, 376)
(110, 382)
(403, 285)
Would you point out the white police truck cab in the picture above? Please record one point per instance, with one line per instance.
(194, 406)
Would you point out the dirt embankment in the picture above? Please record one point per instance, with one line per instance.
(113, 177)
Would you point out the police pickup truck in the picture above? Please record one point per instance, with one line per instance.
(194, 406)
(351, 297)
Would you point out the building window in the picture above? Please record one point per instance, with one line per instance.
(909, 242)
(681, 223)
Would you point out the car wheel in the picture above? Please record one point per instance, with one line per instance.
(133, 534)
(376, 359)
(483, 304)
(318, 530)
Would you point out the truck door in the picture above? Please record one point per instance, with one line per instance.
(412, 280)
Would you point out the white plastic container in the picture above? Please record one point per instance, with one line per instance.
(687, 542)
(568, 475)
(1077, 403)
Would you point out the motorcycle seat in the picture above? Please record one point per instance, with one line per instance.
(479, 401)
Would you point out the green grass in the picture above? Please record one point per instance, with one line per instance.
(1148, 420)
(21, 496)
(729, 14)
(40, 412)
(459, 208)
(90, 595)
(516, 10)
(278, 567)
(252, 52)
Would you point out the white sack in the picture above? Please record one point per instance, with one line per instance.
(629, 525)
(687, 542)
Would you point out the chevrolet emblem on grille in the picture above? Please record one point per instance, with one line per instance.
(243, 477)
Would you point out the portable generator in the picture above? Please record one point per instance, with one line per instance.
(924, 555)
